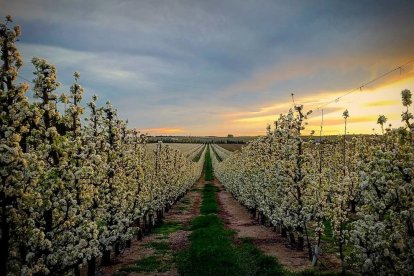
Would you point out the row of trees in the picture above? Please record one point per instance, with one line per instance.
(362, 186)
(73, 190)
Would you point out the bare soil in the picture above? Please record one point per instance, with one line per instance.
(239, 219)
(182, 212)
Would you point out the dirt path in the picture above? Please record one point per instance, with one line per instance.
(238, 218)
(154, 254)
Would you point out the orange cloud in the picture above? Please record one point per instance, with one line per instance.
(381, 103)
(272, 110)
(262, 80)
(392, 78)
(351, 120)
(162, 131)
(364, 107)
(258, 119)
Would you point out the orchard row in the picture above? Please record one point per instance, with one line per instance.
(361, 186)
(74, 187)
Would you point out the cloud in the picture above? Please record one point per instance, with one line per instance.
(381, 103)
(162, 131)
(218, 67)
(260, 119)
(356, 119)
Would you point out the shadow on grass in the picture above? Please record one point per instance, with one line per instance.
(149, 264)
(159, 246)
(168, 227)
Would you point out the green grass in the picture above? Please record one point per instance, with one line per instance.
(213, 252)
(182, 208)
(148, 264)
(185, 201)
(159, 246)
(208, 167)
(197, 157)
(217, 155)
(327, 235)
(184, 205)
(168, 227)
(255, 262)
(328, 232)
(209, 204)
(314, 272)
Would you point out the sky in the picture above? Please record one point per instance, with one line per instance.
(226, 67)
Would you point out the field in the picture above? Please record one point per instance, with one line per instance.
(231, 147)
(202, 139)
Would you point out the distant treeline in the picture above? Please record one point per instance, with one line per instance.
(235, 140)
(201, 139)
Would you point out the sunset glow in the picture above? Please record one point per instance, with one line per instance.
(182, 68)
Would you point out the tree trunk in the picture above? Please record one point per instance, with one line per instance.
(151, 222)
(77, 270)
(353, 206)
(341, 255)
(4, 243)
(106, 257)
(292, 241)
(283, 232)
(145, 225)
(139, 234)
(301, 243)
(262, 219)
(117, 249)
(92, 266)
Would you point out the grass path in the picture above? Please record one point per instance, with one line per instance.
(214, 249)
